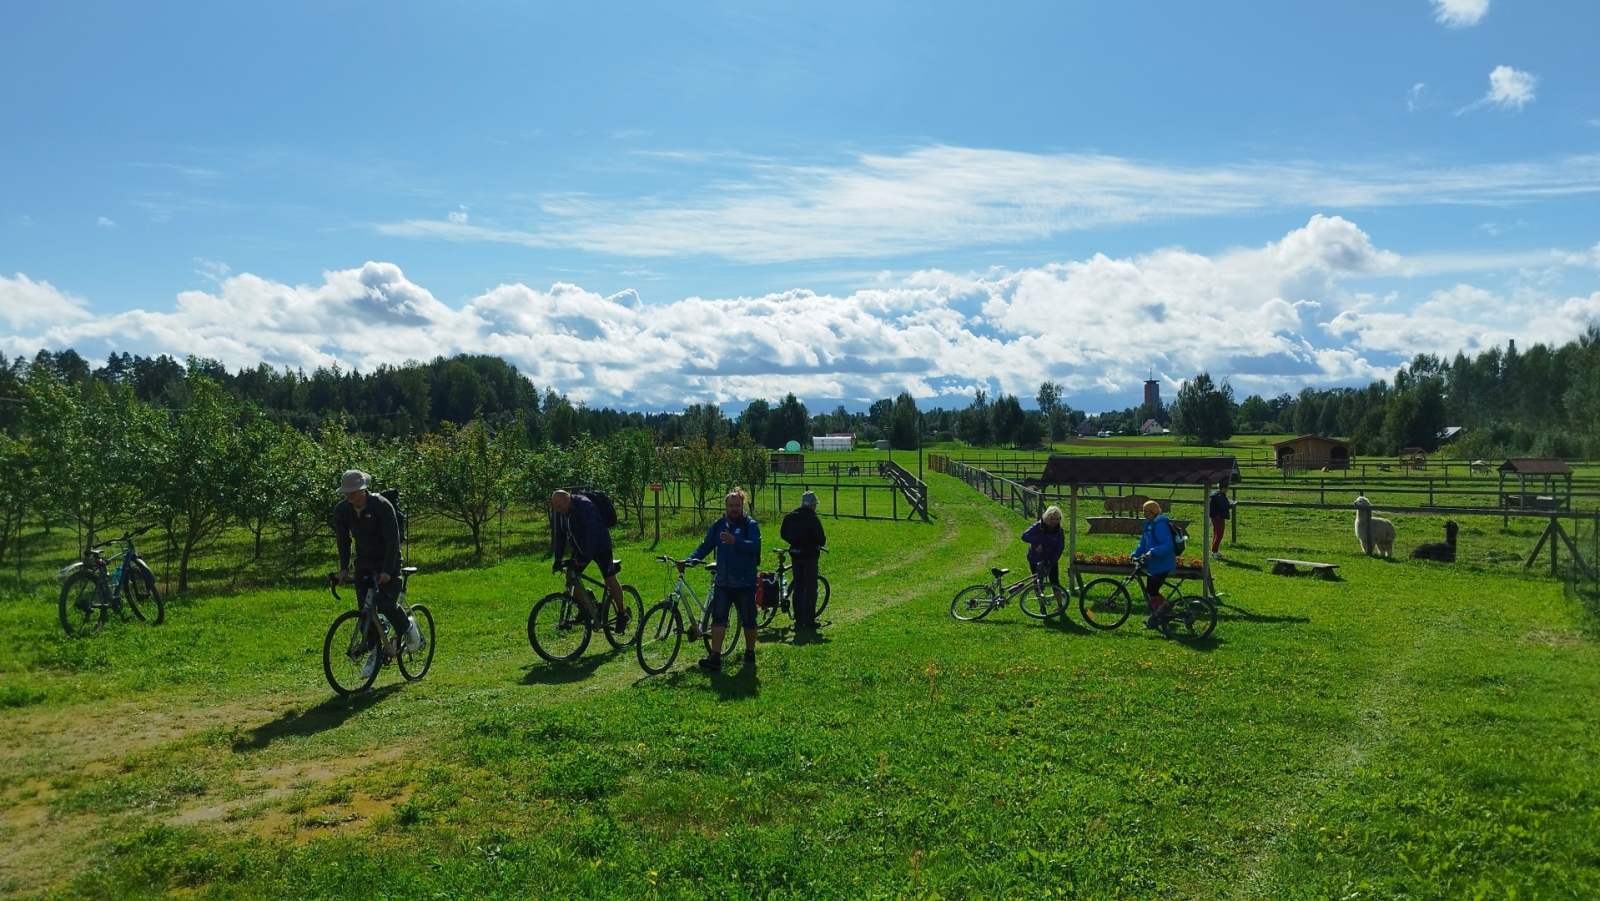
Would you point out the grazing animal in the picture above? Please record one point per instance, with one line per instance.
(1375, 533)
(1445, 551)
(1479, 468)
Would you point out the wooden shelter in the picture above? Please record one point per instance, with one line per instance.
(1203, 473)
(1543, 472)
(1312, 452)
(783, 462)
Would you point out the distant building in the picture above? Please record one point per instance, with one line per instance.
(1151, 427)
(833, 442)
(1312, 452)
(1087, 429)
(1152, 394)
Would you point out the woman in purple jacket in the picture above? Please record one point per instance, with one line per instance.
(1046, 542)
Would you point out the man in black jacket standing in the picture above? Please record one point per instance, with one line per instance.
(803, 530)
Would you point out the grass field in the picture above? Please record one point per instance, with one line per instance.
(1413, 731)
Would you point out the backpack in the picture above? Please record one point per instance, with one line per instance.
(392, 495)
(602, 503)
(1179, 537)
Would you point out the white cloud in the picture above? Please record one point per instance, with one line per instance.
(1272, 317)
(1416, 97)
(943, 197)
(1460, 13)
(25, 303)
(103, 222)
(1508, 89)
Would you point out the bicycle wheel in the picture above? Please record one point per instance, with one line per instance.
(415, 664)
(1047, 602)
(142, 595)
(1189, 617)
(660, 636)
(824, 592)
(974, 603)
(1105, 603)
(618, 636)
(345, 653)
(557, 629)
(730, 638)
(83, 605)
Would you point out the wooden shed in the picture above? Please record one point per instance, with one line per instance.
(783, 462)
(1312, 452)
(1542, 473)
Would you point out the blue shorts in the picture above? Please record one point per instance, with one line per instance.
(725, 597)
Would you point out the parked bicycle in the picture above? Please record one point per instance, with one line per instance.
(786, 593)
(1038, 597)
(678, 614)
(90, 593)
(356, 634)
(562, 622)
(1106, 602)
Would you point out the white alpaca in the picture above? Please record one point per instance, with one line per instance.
(1374, 532)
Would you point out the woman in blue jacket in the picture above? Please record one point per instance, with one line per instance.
(1163, 557)
(1046, 542)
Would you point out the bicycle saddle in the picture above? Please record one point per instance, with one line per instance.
(617, 565)
(408, 570)
(711, 567)
(999, 572)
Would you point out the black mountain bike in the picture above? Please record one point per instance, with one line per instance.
(765, 615)
(1105, 604)
(561, 623)
(358, 634)
(89, 593)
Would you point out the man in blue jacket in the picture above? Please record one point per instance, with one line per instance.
(1163, 557)
(737, 541)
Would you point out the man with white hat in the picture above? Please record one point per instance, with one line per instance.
(371, 520)
(803, 530)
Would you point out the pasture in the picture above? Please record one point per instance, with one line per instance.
(1416, 730)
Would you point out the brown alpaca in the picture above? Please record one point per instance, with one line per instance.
(1444, 552)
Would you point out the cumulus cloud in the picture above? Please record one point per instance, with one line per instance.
(27, 304)
(105, 222)
(1460, 13)
(1272, 317)
(944, 197)
(1508, 89)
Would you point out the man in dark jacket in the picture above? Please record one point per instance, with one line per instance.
(578, 526)
(803, 530)
(736, 538)
(371, 521)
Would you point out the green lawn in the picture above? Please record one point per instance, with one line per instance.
(1413, 731)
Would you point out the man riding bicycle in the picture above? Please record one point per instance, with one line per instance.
(578, 522)
(371, 520)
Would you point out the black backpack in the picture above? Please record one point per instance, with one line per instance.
(602, 503)
(392, 495)
(1179, 537)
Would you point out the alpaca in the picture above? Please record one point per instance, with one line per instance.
(1479, 468)
(1375, 533)
(1443, 552)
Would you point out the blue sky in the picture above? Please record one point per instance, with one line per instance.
(647, 204)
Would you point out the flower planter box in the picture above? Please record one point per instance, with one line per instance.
(1123, 569)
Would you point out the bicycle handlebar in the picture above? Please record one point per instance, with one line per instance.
(680, 564)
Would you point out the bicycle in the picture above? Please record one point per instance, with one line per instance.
(562, 622)
(89, 593)
(765, 615)
(977, 601)
(661, 633)
(365, 627)
(1106, 602)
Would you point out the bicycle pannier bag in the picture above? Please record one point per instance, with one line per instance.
(767, 591)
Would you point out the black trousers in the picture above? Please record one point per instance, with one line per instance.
(388, 598)
(804, 602)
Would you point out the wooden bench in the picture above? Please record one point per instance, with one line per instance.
(1292, 567)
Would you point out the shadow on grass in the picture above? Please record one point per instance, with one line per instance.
(1240, 614)
(330, 714)
(1066, 624)
(543, 673)
(738, 685)
(1235, 564)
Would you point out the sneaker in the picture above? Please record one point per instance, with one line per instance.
(1216, 555)
(370, 669)
(712, 664)
(414, 640)
(622, 621)
(749, 658)
(1150, 622)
